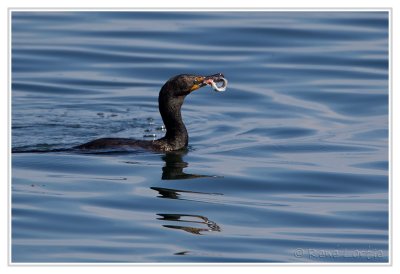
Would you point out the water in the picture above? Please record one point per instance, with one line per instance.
(290, 164)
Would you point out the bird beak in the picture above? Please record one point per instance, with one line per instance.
(202, 81)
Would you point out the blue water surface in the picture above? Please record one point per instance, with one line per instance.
(290, 164)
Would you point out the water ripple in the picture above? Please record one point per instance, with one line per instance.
(289, 165)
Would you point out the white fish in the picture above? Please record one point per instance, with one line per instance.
(221, 88)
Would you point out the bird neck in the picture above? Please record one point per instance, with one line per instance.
(175, 128)
(170, 109)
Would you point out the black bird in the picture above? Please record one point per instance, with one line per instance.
(170, 100)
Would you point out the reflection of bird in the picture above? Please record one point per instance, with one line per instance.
(211, 226)
(174, 165)
(166, 192)
(170, 101)
(175, 193)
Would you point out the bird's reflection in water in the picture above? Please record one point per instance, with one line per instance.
(190, 219)
(174, 165)
(182, 253)
(173, 170)
(170, 193)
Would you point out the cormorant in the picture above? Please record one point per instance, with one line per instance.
(170, 100)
